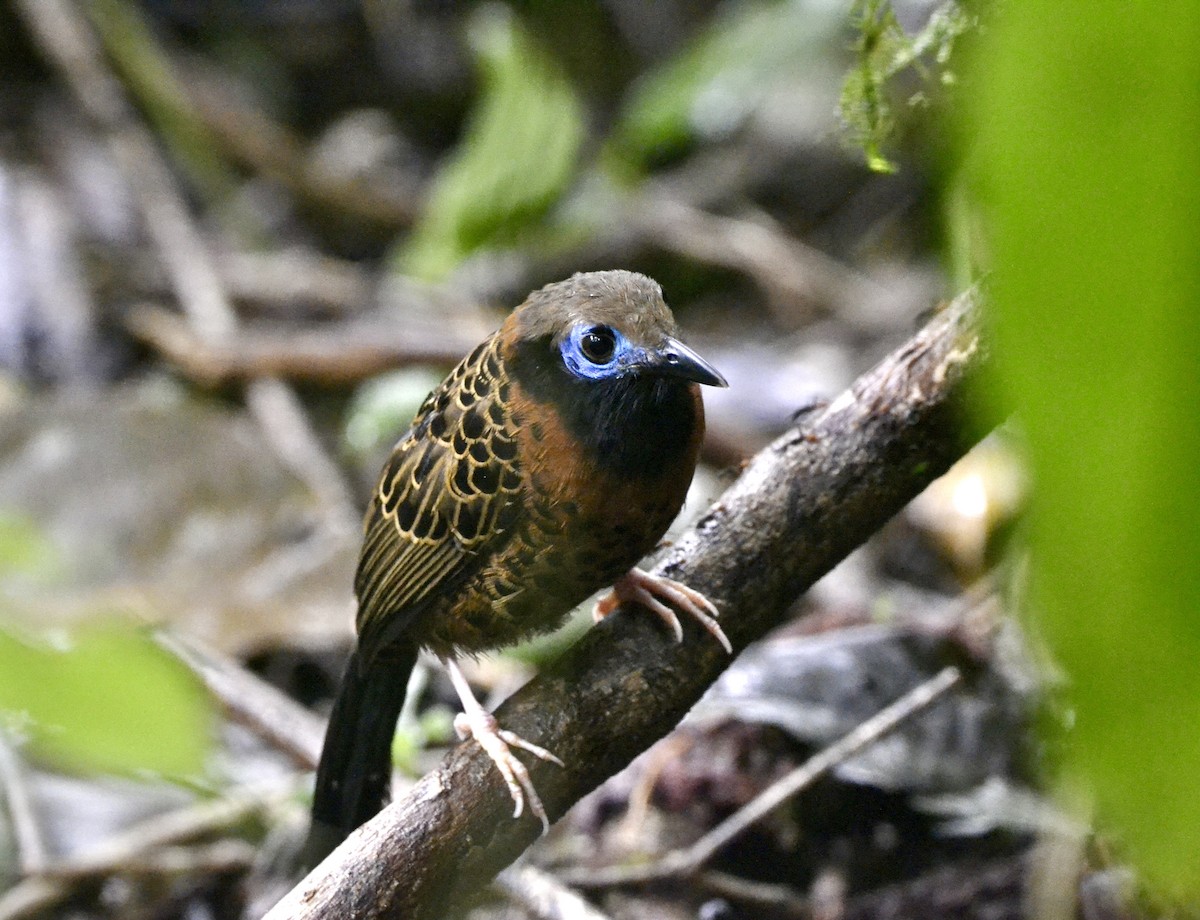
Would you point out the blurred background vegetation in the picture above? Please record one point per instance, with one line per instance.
(240, 240)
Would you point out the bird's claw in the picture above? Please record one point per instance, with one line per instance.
(637, 586)
(497, 743)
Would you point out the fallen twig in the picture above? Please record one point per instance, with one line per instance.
(248, 700)
(798, 280)
(330, 356)
(286, 283)
(545, 896)
(38, 893)
(22, 816)
(692, 858)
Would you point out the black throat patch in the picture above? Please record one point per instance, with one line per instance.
(636, 425)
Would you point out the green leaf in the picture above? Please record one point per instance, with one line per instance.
(108, 699)
(1087, 127)
(710, 87)
(518, 155)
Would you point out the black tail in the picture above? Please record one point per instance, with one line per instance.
(354, 776)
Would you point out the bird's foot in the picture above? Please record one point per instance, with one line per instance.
(476, 722)
(637, 586)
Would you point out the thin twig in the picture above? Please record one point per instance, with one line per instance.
(38, 893)
(286, 426)
(214, 858)
(797, 279)
(690, 859)
(287, 282)
(271, 150)
(781, 900)
(22, 816)
(249, 700)
(332, 354)
(545, 896)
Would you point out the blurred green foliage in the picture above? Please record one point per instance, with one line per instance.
(517, 156)
(709, 88)
(149, 74)
(434, 727)
(105, 699)
(383, 407)
(883, 50)
(1085, 129)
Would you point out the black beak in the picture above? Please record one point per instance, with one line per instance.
(674, 359)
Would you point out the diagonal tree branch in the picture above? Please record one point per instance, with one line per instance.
(798, 509)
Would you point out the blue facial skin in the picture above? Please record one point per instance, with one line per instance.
(623, 357)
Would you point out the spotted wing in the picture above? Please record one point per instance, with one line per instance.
(445, 500)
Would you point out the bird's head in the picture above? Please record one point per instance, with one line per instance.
(598, 355)
(607, 326)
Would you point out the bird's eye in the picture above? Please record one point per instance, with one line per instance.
(598, 344)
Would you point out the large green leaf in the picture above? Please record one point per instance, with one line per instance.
(108, 699)
(720, 78)
(1087, 125)
(518, 154)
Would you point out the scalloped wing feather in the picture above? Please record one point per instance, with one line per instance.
(445, 501)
